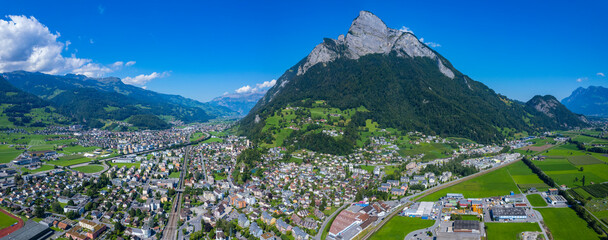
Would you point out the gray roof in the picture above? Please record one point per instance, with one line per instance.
(31, 230)
(466, 224)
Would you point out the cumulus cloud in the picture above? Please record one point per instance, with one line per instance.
(266, 84)
(260, 87)
(406, 29)
(581, 79)
(142, 79)
(130, 63)
(26, 44)
(601, 74)
(245, 89)
(430, 44)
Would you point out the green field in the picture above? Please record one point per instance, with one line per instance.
(495, 183)
(195, 136)
(565, 224)
(6, 221)
(430, 150)
(127, 165)
(69, 161)
(217, 177)
(536, 200)
(8, 154)
(509, 231)
(78, 149)
(213, 140)
(174, 175)
(525, 178)
(93, 168)
(369, 169)
(584, 160)
(44, 167)
(398, 227)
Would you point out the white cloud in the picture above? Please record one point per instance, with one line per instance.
(142, 79)
(117, 64)
(406, 29)
(430, 44)
(581, 79)
(245, 89)
(91, 40)
(67, 43)
(261, 87)
(101, 9)
(433, 45)
(601, 74)
(26, 44)
(266, 84)
(130, 63)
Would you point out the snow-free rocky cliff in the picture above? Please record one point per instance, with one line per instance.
(369, 35)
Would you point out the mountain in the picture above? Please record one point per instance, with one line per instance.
(22, 109)
(591, 101)
(88, 100)
(402, 84)
(238, 102)
(559, 115)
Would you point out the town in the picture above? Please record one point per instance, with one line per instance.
(125, 185)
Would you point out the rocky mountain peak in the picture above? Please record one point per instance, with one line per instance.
(368, 34)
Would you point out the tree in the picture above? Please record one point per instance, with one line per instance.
(71, 203)
(118, 227)
(583, 180)
(72, 215)
(56, 207)
(39, 211)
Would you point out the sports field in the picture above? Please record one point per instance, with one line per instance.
(92, 168)
(509, 231)
(398, 227)
(495, 183)
(565, 224)
(6, 220)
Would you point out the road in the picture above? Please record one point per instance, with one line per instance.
(328, 219)
(171, 229)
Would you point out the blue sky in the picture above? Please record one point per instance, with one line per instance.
(203, 49)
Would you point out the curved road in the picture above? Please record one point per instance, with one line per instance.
(328, 219)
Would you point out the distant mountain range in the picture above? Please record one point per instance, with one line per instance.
(238, 102)
(591, 101)
(91, 100)
(403, 84)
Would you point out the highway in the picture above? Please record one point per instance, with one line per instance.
(170, 232)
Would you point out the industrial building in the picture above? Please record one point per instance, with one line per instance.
(501, 213)
(471, 226)
(422, 209)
